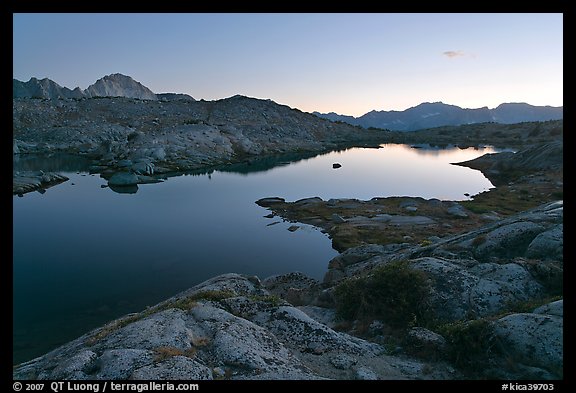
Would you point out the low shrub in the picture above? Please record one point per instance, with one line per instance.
(394, 293)
(470, 344)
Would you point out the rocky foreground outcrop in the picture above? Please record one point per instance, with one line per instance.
(283, 327)
(479, 272)
(229, 327)
(474, 278)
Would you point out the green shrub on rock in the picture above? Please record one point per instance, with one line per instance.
(394, 293)
(470, 343)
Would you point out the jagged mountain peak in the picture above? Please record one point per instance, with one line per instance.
(113, 85)
(42, 88)
(119, 85)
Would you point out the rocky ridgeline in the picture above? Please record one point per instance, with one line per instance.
(238, 327)
(435, 114)
(114, 85)
(151, 138)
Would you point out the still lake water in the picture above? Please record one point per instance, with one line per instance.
(83, 254)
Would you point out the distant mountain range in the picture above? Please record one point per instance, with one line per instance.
(425, 115)
(114, 85)
(435, 114)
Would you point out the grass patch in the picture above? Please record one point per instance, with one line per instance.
(167, 352)
(503, 201)
(200, 341)
(476, 208)
(212, 295)
(272, 300)
(478, 240)
(527, 193)
(183, 304)
(349, 236)
(394, 293)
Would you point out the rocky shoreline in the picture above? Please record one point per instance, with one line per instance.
(28, 181)
(133, 141)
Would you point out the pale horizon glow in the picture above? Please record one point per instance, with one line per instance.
(350, 64)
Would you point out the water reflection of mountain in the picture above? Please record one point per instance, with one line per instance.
(50, 163)
(426, 149)
(267, 163)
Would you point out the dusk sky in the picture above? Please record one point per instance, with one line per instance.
(345, 63)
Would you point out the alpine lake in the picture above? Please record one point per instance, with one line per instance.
(84, 254)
